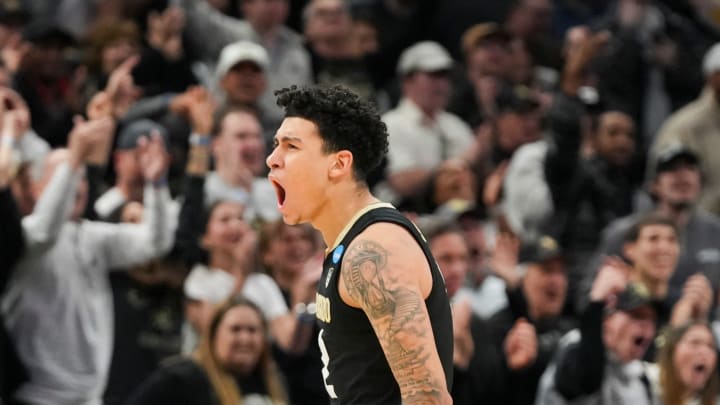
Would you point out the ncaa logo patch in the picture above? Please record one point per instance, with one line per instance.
(337, 254)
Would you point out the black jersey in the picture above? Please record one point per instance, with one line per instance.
(355, 368)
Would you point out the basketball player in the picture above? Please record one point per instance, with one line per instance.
(386, 329)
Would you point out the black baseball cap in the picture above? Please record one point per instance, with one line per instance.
(128, 137)
(541, 250)
(635, 296)
(671, 153)
(516, 98)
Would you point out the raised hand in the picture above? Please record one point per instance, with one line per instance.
(201, 110)
(494, 183)
(86, 136)
(610, 281)
(153, 157)
(15, 113)
(121, 88)
(578, 57)
(521, 345)
(100, 106)
(698, 291)
(464, 346)
(504, 259)
(303, 289)
(14, 52)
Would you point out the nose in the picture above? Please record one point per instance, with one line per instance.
(272, 161)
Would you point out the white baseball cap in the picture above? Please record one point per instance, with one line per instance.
(241, 51)
(425, 56)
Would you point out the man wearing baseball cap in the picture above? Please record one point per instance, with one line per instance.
(601, 361)
(241, 73)
(421, 133)
(129, 182)
(697, 127)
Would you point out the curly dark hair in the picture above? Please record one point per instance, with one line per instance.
(344, 121)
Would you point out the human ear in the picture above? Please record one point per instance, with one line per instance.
(341, 164)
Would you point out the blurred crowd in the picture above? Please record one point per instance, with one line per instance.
(557, 154)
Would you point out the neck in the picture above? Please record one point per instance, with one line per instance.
(233, 177)
(335, 215)
(678, 213)
(221, 260)
(428, 112)
(268, 35)
(332, 47)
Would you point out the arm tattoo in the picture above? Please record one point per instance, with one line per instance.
(397, 312)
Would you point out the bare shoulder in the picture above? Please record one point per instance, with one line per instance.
(385, 273)
(385, 254)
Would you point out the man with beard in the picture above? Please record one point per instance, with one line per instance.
(675, 190)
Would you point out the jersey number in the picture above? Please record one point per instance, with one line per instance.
(325, 357)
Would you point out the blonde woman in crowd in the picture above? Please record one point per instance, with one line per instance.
(686, 370)
(232, 365)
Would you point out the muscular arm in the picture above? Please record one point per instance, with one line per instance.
(386, 274)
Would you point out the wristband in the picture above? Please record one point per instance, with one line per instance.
(305, 312)
(161, 182)
(199, 140)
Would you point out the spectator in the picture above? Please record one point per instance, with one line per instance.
(530, 20)
(538, 301)
(12, 372)
(14, 16)
(30, 151)
(231, 257)
(242, 78)
(489, 253)
(686, 370)
(66, 341)
(486, 48)
(421, 133)
(651, 64)
(291, 255)
(208, 32)
(232, 365)
(46, 81)
(238, 151)
(601, 362)
(675, 190)
(653, 248)
(328, 32)
(129, 182)
(147, 306)
(516, 123)
(110, 43)
(574, 196)
(694, 126)
(164, 66)
(475, 362)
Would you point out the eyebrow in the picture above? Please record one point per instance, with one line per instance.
(287, 138)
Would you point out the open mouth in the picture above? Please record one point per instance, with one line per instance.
(699, 368)
(639, 341)
(279, 193)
